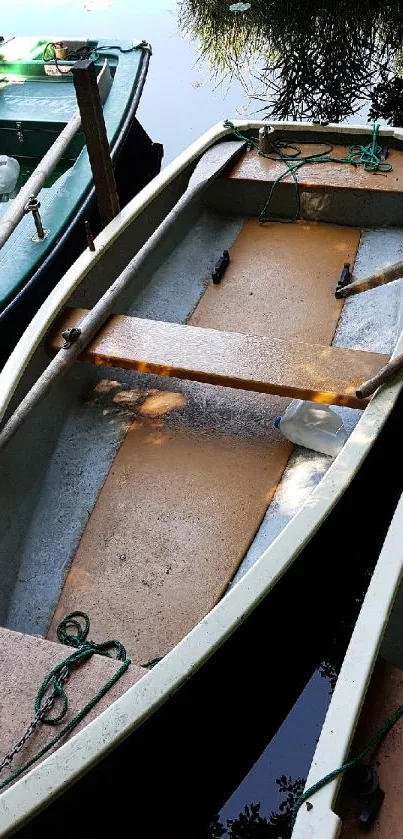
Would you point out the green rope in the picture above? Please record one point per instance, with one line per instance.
(376, 739)
(84, 650)
(358, 155)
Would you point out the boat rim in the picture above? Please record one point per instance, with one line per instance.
(68, 763)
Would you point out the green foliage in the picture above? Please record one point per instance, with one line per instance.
(316, 59)
(250, 824)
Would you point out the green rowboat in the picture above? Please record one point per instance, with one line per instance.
(37, 101)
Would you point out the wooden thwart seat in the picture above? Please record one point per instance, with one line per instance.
(254, 168)
(265, 365)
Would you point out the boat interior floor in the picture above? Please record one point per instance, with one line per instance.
(148, 496)
(177, 509)
(165, 483)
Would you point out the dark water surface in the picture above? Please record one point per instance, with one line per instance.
(181, 100)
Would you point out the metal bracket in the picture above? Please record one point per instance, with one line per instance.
(143, 45)
(20, 133)
(344, 279)
(89, 236)
(363, 782)
(264, 139)
(70, 337)
(220, 267)
(32, 206)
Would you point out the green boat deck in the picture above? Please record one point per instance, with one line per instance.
(56, 102)
(36, 102)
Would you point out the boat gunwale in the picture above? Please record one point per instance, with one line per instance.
(65, 766)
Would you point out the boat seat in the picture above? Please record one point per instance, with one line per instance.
(249, 362)
(24, 662)
(253, 167)
(331, 192)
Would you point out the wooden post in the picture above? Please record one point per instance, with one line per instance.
(93, 123)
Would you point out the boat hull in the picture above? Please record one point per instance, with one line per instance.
(329, 518)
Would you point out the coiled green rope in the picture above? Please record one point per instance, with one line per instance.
(358, 155)
(54, 680)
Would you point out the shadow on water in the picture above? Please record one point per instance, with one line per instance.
(322, 60)
(171, 777)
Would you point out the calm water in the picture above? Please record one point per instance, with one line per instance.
(181, 100)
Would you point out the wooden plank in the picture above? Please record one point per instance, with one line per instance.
(248, 362)
(93, 123)
(253, 167)
(34, 658)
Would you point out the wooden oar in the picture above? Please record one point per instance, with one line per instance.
(45, 167)
(381, 277)
(386, 373)
(214, 160)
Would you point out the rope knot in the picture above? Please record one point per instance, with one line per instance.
(74, 621)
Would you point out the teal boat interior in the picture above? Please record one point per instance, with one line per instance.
(37, 100)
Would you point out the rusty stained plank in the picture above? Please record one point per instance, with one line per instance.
(175, 516)
(249, 362)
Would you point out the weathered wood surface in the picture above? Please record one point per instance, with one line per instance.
(229, 359)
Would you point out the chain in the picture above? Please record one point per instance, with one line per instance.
(47, 706)
(73, 632)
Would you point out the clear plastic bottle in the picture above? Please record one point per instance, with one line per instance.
(313, 425)
(9, 172)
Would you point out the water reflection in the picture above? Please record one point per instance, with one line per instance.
(320, 60)
(269, 795)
